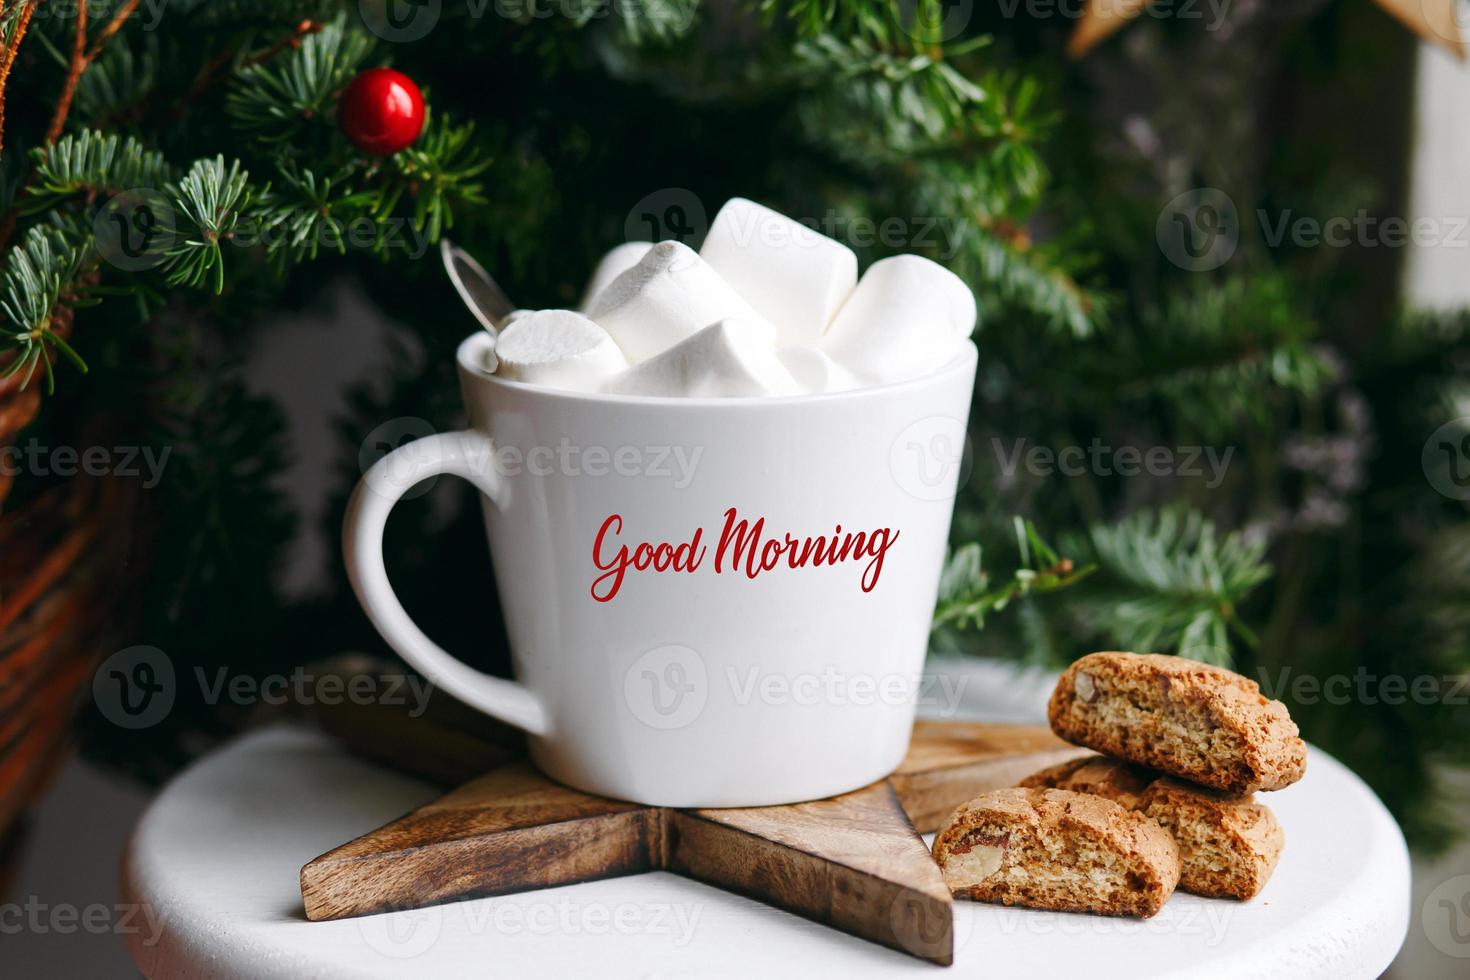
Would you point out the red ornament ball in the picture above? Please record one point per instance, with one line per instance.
(381, 111)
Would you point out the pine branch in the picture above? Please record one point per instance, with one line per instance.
(305, 210)
(117, 85)
(81, 57)
(1170, 583)
(1012, 277)
(15, 17)
(968, 147)
(214, 69)
(439, 172)
(119, 17)
(236, 16)
(302, 212)
(653, 21)
(74, 69)
(966, 596)
(92, 165)
(809, 17)
(1216, 351)
(212, 198)
(215, 201)
(36, 275)
(876, 106)
(295, 87)
(911, 26)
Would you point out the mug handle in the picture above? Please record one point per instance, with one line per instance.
(466, 454)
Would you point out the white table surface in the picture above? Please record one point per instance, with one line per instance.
(215, 862)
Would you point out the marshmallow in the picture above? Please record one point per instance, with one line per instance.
(792, 275)
(907, 316)
(815, 372)
(613, 264)
(669, 295)
(729, 359)
(558, 349)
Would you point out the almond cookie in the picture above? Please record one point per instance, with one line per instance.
(1054, 849)
(1120, 782)
(1181, 717)
(1228, 845)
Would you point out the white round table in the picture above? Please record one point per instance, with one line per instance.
(214, 863)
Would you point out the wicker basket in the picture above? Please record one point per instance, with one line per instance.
(59, 593)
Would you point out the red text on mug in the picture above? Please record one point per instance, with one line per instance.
(743, 547)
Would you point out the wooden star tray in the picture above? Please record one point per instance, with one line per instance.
(855, 862)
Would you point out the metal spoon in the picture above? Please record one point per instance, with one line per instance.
(480, 292)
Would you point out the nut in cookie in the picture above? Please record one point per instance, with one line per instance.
(1059, 850)
(1201, 723)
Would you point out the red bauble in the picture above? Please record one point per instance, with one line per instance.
(382, 111)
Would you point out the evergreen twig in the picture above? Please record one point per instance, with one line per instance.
(81, 57)
(966, 596)
(31, 288)
(211, 71)
(15, 17)
(1169, 582)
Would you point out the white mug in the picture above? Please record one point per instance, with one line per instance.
(710, 601)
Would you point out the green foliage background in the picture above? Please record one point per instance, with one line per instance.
(1325, 550)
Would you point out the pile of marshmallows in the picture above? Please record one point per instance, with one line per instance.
(766, 307)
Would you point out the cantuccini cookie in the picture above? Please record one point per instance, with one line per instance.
(1228, 845)
(1055, 849)
(1184, 718)
(1120, 782)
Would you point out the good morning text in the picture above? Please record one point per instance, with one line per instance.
(744, 548)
